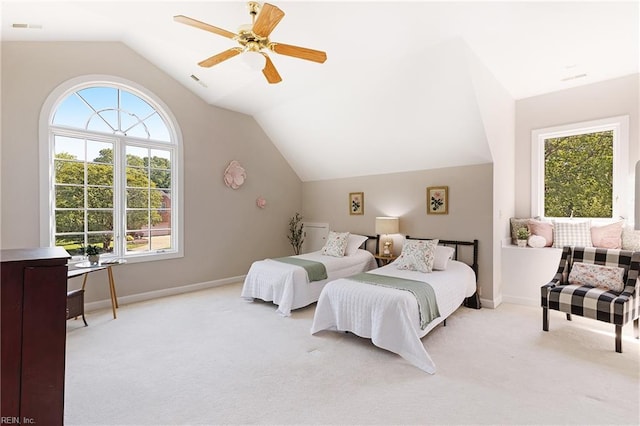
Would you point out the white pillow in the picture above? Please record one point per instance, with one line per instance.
(572, 234)
(630, 238)
(417, 255)
(354, 242)
(537, 241)
(336, 244)
(605, 277)
(442, 256)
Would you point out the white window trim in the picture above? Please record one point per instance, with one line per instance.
(620, 127)
(46, 151)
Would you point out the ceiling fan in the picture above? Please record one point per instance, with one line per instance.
(255, 38)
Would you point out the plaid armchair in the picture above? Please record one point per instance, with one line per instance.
(610, 306)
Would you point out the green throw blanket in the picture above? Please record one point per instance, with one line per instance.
(316, 271)
(426, 297)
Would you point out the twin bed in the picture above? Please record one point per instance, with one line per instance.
(367, 305)
(288, 285)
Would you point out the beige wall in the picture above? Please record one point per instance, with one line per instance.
(610, 98)
(404, 195)
(224, 231)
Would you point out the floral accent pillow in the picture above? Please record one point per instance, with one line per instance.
(336, 244)
(605, 277)
(417, 255)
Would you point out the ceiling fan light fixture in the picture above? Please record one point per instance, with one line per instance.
(254, 60)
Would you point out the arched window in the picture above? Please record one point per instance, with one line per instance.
(112, 161)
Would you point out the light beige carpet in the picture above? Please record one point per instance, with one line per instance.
(210, 357)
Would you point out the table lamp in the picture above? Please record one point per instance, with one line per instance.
(384, 227)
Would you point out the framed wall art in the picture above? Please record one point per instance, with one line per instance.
(356, 203)
(438, 200)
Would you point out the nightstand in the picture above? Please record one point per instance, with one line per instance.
(384, 260)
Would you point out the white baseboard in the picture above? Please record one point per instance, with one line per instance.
(520, 300)
(156, 294)
(489, 303)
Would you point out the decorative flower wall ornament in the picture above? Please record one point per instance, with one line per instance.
(234, 175)
(261, 202)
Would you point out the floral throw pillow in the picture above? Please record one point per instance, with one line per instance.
(417, 255)
(336, 244)
(605, 277)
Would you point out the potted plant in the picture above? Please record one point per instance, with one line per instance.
(522, 234)
(296, 233)
(93, 254)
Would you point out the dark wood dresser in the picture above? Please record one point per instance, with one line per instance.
(33, 301)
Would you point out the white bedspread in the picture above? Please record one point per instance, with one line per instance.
(389, 317)
(288, 286)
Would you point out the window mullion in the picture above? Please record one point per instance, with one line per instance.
(119, 195)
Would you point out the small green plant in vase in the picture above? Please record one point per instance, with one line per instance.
(93, 254)
(522, 235)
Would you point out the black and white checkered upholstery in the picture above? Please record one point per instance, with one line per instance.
(592, 302)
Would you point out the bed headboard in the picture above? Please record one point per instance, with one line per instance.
(367, 244)
(472, 301)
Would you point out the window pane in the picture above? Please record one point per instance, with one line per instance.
(579, 175)
(133, 126)
(160, 159)
(69, 172)
(161, 178)
(157, 199)
(100, 220)
(138, 198)
(103, 240)
(138, 241)
(72, 112)
(137, 220)
(100, 97)
(71, 243)
(68, 148)
(69, 221)
(136, 156)
(100, 152)
(100, 174)
(161, 240)
(69, 197)
(138, 178)
(158, 128)
(162, 219)
(97, 124)
(135, 105)
(99, 197)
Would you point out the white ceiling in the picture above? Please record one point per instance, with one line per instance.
(395, 93)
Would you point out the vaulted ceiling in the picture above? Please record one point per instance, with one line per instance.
(396, 92)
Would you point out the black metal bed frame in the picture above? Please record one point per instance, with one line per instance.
(474, 300)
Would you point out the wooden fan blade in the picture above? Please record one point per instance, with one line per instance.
(270, 71)
(216, 59)
(268, 18)
(198, 24)
(299, 52)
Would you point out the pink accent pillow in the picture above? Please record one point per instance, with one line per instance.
(542, 229)
(607, 236)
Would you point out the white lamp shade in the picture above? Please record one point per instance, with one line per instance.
(254, 60)
(387, 225)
